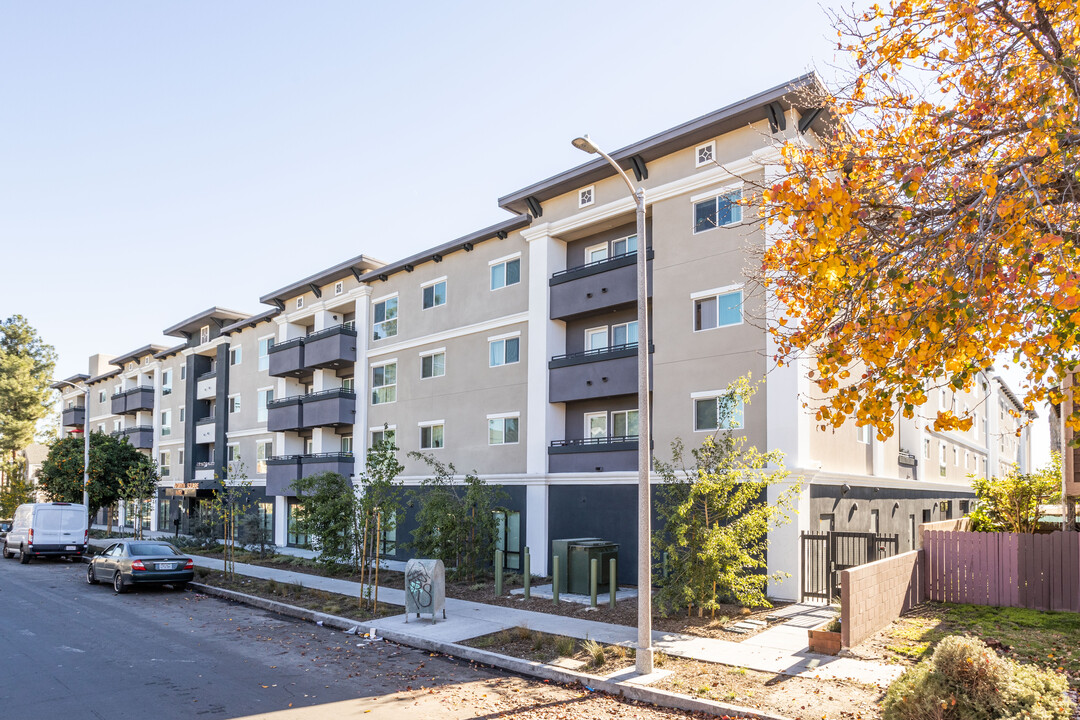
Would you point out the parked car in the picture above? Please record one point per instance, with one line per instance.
(5, 526)
(141, 562)
(47, 530)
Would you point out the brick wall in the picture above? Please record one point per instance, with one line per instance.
(875, 594)
(955, 525)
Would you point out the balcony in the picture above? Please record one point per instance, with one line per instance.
(285, 414)
(206, 386)
(287, 358)
(205, 430)
(333, 347)
(73, 417)
(602, 285)
(129, 402)
(140, 436)
(607, 454)
(119, 403)
(283, 470)
(329, 407)
(204, 470)
(605, 372)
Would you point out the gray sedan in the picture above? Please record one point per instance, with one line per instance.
(138, 562)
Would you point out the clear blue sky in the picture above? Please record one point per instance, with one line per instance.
(159, 158)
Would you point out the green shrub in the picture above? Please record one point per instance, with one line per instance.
(966, 680)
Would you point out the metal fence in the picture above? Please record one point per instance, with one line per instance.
(825, 553)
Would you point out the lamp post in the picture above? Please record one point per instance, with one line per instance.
(644, 661)
(86, 448)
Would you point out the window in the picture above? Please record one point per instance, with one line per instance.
(166, 422)
(183, 372)
(926, 449)
(717, 412)
(596, 425)
(346, 384)
(942, 468)
(339, 287)
(384, 384)
(309, 446)
(264, 449)
(596, 253)
(875, 521)
(508, 538)
(164, 461)
(503, 351)
(233, 453)
(101, 428)
(718, 211)
(624, 334)
(264, 352)
(265, 396)
(166, 382)
(507, 272)
(596, 338)
(300, 302)
(236, 355)
(956, 456)
(911, 533)
(180, 458)
(117, 425)
(624, 246)
(624, 423)
(204, 334)
(183, 414)
(234, 403)
(705, 154)
(502, 430)
(101, 396)
(385, 319)
(717, 311)
(383, 434)
(825, 522)
(586, 196)
(862, 434)
(431, 436)
(346, 444)
(434, 295)
(433, 365)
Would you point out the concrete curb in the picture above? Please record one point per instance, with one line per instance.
(640, 693)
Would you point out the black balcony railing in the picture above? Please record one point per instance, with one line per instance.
(282, 459)
(206, 376)
(598, 266)
(343, 329)
(596, 443)
(285, 345)
(138, 428)
(328, 456)
(611, 352)
(284, 402)
(331, 393)
(206, 420)
(205, 465)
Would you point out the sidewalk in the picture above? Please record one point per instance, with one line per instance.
(781, 649)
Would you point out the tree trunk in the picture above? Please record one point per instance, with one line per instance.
(378, 538)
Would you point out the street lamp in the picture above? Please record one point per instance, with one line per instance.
(644, 662)
(86, 447)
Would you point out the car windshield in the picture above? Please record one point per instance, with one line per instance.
(143, 549)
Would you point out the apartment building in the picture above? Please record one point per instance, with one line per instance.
(512, 352)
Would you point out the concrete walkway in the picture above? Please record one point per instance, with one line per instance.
(781, 649)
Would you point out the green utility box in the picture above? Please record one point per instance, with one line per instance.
(561, 550)
(581, 553)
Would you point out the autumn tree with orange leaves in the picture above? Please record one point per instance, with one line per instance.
(936, 228)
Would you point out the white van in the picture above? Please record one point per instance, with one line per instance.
(47, 530)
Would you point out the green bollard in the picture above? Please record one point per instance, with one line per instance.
(594, 570)
(498, 572)
(528, 574)
(614, 587)
(555, 579)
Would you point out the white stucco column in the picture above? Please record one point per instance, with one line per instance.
(362, 375)
(281, 526)
(536, 527)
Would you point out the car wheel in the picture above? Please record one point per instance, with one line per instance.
(24, 558)
(118, 583)
(180, 586)
(90, 574)
(7, 553)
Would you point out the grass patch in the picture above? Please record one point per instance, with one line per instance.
(565, 646)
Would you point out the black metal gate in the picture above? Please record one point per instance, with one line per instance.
(825, 554)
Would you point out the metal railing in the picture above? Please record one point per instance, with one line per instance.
(328, 456)
(138, 428)
(285, 345)
(206, 420)
(596, 264)
(206, 376)
(595, 442)
(595, 354)
(331, 393)
(205, 465)
(342, 329)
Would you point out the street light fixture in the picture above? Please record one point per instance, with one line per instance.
(644, 656)
(86, 447)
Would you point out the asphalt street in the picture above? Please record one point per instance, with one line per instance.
(69, 650)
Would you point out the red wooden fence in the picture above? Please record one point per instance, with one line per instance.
(1041, 572)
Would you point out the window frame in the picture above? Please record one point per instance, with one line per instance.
(164, 462)
(236, 355)
(263, 397)
(375, 325)
(716, 294)
(260, 463)
(383, 429)
(589, 193)
(432, 285)
(714, 197)
(264, 357)
(603, 415)
(501, 419)
(505, 262)
(430, 426)
(204, 334)
(737, 416)
(165, 416)
(375, 388)
(235, 405)
(432, 354)
(626, 422)
(504, 339)
(710, 147)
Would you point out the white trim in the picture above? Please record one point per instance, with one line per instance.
(430, 423)
(496, 416)
(504, 336)
(241, 403)
(504, 258)
(433, 282)
(433, 351)
(599, 328)
(380, 428)
(451, 334)
(249, 433)
(716, 291)
(708, 394)
(170, 443)
(597, 246)
(375, 301)
(607, 422)
(381, 363)
(716, 192)
(339, 287)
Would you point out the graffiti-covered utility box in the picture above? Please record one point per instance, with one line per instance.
(425, 588)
